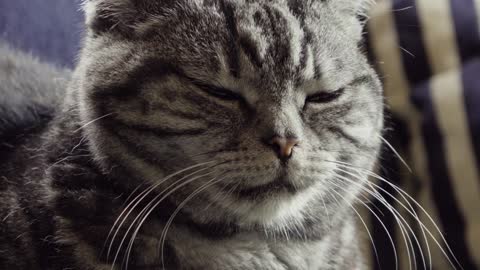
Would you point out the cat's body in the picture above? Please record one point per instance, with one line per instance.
(147, 124)
(31, 236)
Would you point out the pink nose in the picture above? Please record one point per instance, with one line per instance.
(283, 146)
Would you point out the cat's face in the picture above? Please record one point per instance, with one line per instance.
(273, 96)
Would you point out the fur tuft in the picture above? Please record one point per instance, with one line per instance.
(105, 15)
(29, 90)
(122, 15)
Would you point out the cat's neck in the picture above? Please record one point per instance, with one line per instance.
(254, 250)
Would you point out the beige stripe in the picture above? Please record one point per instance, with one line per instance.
(384, 41)
(438, 34)
(477, 8)
(425, 197)
(448, 101)
(477, 232)
(447, 98)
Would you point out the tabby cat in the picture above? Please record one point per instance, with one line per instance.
(192, 134)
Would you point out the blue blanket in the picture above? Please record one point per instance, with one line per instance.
(49, 29)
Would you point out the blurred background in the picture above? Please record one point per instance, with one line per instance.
(428, 55)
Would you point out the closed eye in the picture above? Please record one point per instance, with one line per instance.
(325, 97)
(222, 93)
(218, 92)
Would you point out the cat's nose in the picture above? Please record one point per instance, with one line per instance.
(283, 147)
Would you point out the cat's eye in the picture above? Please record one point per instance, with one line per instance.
(325, 97)
(222, 93)
(218, 92)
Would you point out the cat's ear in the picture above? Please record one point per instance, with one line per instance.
(354, 14)
(109, 15)
(357, 8)
(120, 15)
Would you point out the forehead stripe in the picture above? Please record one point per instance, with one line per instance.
(232, 47)
(151, 69)
(281, 45)
(250, 48)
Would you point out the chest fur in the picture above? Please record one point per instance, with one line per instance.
(254, 251)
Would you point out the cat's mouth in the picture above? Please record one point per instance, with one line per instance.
(282, 184)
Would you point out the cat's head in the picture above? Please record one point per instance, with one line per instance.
(273, 98)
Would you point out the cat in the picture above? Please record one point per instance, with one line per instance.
(193, 134)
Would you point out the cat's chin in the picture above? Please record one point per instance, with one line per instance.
(285, 182)
(276, 203)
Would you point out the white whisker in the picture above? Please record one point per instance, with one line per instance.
(396, 153)
(416, 217)
(136, 201)
(143, 215)
(398, 217)
(413, 214)
(326, 209)
(402, 9)
(381, 223)
(91, 122)
(407, 51)
(180, 206)
(366, 228)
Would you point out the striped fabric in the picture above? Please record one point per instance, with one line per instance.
(428, 53)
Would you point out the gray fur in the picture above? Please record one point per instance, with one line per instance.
(147, 99)
(29, 88)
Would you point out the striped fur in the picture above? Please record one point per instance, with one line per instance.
(162, 86)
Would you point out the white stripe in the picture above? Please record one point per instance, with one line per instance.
(448, 101)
